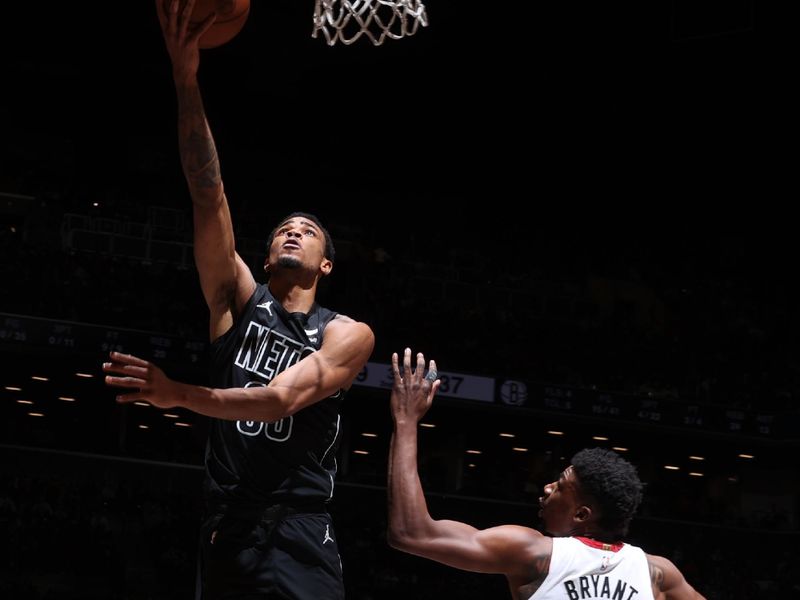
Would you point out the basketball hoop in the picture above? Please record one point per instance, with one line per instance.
(347, 20)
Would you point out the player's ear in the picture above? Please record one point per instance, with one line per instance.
(326, 266)
(584, 513)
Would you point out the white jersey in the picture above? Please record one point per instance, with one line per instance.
(581, 571)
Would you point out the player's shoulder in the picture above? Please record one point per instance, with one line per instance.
(664, 574)
(340, 318)
(520, 536)
(659, 561)
(522, 548)
(345, 321)
(344, 327)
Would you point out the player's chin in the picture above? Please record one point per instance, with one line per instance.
(289, 261)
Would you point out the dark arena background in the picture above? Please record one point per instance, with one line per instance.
(576, 210)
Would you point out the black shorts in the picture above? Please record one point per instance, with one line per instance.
(292, 557)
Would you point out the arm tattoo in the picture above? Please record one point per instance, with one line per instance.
(539, 571)
(200, 155)
(656, 577)
(197, 148)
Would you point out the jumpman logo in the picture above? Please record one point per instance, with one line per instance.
(266, 305)
(328, 537)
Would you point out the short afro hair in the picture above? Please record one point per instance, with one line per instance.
(330, 251)
(612, 483)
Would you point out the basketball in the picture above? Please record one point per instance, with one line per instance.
(231, 16)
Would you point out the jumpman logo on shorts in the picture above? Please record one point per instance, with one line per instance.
(328, 537)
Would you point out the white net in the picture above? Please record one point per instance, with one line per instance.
(347, 20)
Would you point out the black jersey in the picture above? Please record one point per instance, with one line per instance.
(290, 461)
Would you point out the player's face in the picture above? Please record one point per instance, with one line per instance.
(298, 242)
(560, 505)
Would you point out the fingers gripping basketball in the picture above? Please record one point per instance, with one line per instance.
(231, 17)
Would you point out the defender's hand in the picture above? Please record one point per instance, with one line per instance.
(412, 393)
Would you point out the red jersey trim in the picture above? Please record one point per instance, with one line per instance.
(600, 545)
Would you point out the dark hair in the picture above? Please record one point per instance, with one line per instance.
(612, 483)
(330, 251)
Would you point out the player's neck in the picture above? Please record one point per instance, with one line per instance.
(293, 298)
